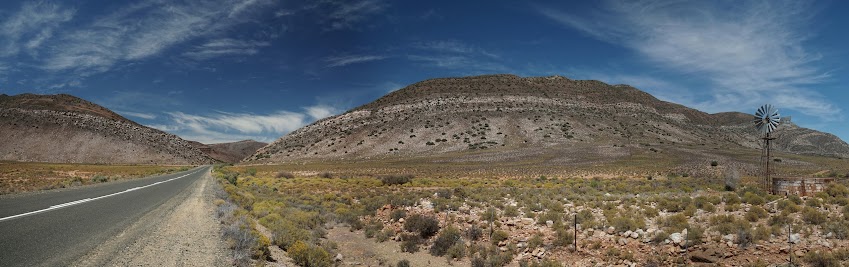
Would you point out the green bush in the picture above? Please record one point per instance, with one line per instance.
(284, 232)
(384, 235)
(787, 205)
(624, 223)
(674, 223)
(753, 199)
(756, 213)
(535, 241)
(250, 172)
(730, 198)
(474, 233)
(425, 226)
(840, 229)
(283, 174)
(446, 238)
(308, 255)
(813, 202)
(395, 179)
(837, 190)
(821, 259)
(410, 242)
(564, 237)
(398, 214)
(511, 211)
(813, 216)
(373, 228)
(499, 236)
(403, 263)
(456, 251)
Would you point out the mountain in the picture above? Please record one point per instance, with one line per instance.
(67, 129)
(506, 118)
(230, 152)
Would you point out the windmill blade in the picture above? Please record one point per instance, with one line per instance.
(767, 119)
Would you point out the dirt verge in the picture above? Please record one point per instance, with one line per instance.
(181, 232)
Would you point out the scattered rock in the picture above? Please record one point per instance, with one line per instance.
(703, 257)
(795, 238)
(527, 221)
(549, 223)
(611, 230)
(338, 257)
(676, 238)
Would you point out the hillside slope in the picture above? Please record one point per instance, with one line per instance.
(230, 152)
(67, 129)
(498, 118)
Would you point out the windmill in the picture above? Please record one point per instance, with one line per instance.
(766, 121)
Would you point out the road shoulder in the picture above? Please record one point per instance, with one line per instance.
(181, 232)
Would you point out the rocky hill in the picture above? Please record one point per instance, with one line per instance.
(498, 118)
(67, 129)
(230, 152)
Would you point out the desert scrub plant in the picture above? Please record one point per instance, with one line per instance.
(403, 263)
(395, 179)
(384, 235)
(445, 240)
(563, 237)
(673, 223)
(250, 171)
(787, 206)
(284, 174)
(425, 226)
(813, 216)
(410, 242)
(474, 233)
(309, 255)
(813, 202)
(499, 236)
(511, 211)
(752, 198)
(397, 214)
(372, 228)
(284, 232)
(756, 213)
(535, 241)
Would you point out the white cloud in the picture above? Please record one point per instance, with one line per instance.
(228, 127)
(751, 53)
(340, 61)
(321, 111)
(141, 115)
(225, 47)
(455, 47)
(33, 24)
(141, 31)
(347, 14)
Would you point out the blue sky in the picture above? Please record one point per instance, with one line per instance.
(227, 70)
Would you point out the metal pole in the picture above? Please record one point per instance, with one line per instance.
(576, 232)
(791, 244)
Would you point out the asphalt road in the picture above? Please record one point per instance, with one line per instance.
(62, 233)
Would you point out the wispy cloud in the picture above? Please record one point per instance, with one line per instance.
(751, 52)
(340, 61)
(227, 127)
(348, 14)
(141, 31)
(225, 47)
(30, 26)
(454, 47)
(458, 56)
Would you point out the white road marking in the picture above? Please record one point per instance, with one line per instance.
(72, 203)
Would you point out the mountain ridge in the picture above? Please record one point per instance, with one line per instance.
(508, 115)
(67, 129)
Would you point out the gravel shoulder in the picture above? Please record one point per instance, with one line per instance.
(181, 232)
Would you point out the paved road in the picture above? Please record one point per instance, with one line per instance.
(62, 233)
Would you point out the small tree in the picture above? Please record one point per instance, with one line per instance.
(732, 178)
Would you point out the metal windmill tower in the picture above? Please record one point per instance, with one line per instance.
(766, 121)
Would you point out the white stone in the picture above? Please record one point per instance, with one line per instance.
(549, 223)
(611, 230)
(795, 238)
(728, 238)
(676, 238)
(635, 235)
